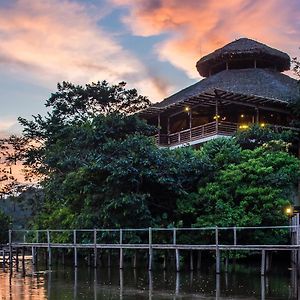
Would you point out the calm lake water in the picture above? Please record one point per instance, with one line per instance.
(60, 283)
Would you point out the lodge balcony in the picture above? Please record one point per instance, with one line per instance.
(204, 133)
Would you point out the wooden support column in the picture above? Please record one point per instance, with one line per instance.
(226, 262)
(3, 260)
(121, 249)
(191, 261)
(190, 122)
(10, 251)
(165, 261)
(150, 250)
(177, 257)
(23, 261)
(17, 259)
(159, 129)
(218, 266)
(217, 115)
(168, 129)
(95, 248)
(199, 253)
(75, 249)
(263, 263)
(177, 260)
(33, 255)
(256, 115)
(134, 259)
(49, 248)
(108, 259)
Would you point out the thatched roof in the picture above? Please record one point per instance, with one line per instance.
(263, 83)
(244, 49)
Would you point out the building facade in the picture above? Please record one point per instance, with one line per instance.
(243, 84)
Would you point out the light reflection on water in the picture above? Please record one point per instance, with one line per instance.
(105, 283)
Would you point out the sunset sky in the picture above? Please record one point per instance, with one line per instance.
(153, 45)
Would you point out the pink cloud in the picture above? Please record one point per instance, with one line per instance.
(54, 40)
(195, 28)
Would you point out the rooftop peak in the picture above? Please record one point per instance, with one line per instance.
(243, 53)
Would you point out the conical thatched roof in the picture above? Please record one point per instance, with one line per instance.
(244, 49)
(263, 83)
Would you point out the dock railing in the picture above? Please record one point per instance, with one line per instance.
(261, 239)
(263, 236)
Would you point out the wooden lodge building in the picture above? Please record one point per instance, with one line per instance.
(243, 84)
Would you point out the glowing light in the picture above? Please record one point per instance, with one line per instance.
(289, 211)
(244, 126)
(262, 124)
(242, 116)
(216, 117)
(187, 109)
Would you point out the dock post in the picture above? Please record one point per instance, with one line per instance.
(10, 251)
(17, 259)
(218, 267)
(3, 260)
(95, 248)
(75, 248)
(263, 263)
(177, 258)
(134, 259)
(150, 250)
(199, 259)
(165, 261)
(33, 255)
(191, 261)
(49, 249)
(226, 262)
(121, 249)
(23, 261)
(108, 259)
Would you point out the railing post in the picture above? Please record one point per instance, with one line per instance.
(95, 248)
(263, 263)
(150, 249)
(234, 236)
(177, 257)
(121, 249)
(75, 248)
(49, 248)
(10, 250)
(217, 251)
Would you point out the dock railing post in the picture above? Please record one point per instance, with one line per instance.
(150, 249)
(177, 259)
(217, 250)
(75, 248)
(49, 248)
(234, 236)
(95, 248)
(121, 249)
(10, 250)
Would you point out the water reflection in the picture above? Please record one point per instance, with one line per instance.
(88, 283)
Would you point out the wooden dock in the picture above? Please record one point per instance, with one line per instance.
(177, 240)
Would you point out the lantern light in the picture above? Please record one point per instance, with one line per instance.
(244, 126)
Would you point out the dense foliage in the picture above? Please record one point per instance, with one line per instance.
(99, 167)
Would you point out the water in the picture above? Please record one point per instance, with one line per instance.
(61, 283)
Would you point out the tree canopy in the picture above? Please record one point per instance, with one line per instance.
(99, 166)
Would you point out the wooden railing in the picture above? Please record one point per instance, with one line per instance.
(197, 133)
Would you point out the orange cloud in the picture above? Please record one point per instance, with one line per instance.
(197, 27)
(54, 40)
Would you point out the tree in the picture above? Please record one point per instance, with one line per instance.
(249, 187)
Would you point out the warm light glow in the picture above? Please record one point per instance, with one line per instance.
(289, 211)
(244, 126)
(187, 108)
(216, 117)
(242, 116)
(262, 125)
